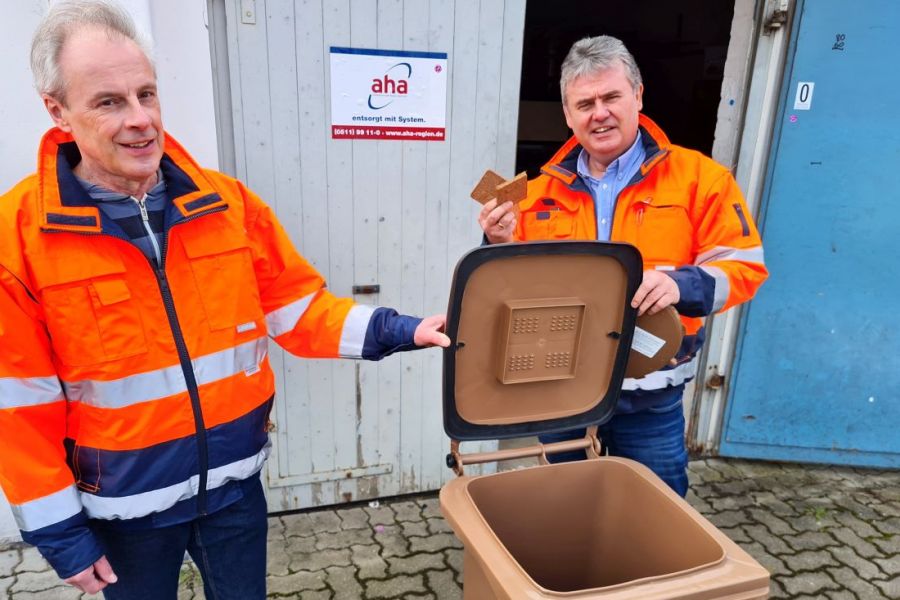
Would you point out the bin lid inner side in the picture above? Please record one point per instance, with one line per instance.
(542, 334)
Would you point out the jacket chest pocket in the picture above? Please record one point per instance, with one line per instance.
(226, 282)
(548, 224)
(665, 234)
(94, 321)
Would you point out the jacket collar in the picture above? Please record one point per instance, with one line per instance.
(66, 206)
(563, 165)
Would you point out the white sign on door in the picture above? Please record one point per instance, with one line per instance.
(388, 94)
(803, 100)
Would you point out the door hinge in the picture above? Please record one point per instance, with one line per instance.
(777, 18)
(715, 381)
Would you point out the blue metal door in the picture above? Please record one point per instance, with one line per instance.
(817, 375)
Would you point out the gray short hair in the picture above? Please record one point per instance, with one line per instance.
(63, 19)
(592, 54)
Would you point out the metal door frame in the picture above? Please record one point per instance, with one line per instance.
(773, 29)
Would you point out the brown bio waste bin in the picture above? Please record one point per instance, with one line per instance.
(541, 338)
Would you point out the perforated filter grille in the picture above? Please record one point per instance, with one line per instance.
(539, 339)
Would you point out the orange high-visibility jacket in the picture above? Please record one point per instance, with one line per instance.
(682, 210)
(139, 394)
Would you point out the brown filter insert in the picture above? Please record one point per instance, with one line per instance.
(538, 337)
(491, 185)
(486, 188)
(590, 524)
(513, 190)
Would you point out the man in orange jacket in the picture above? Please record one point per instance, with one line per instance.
(137, 295)
(619, 178)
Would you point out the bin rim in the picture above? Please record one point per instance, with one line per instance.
(743, 575)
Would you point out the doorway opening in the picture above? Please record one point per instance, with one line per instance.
(680, 48)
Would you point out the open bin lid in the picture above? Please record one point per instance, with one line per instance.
(541, 337)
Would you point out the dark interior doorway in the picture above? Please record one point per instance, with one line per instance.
(680, 48)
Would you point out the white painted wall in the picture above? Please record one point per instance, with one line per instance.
(180, 35)
(21, 112)
(179, 31)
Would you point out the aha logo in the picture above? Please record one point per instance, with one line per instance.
(387, 87)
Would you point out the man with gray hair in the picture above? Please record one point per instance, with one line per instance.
(137, 295)
(620, 179)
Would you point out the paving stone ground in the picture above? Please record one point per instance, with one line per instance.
(824, 533)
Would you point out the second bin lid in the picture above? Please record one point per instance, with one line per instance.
(541, 336)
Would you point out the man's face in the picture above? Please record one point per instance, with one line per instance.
(602, 110)
(112, 110)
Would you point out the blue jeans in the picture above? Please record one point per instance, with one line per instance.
(653, 437)
(228, 547)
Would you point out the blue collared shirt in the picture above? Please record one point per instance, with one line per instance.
(606, 189)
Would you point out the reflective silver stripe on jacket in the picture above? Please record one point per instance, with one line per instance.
(29, 391)
(48, 510)
(723, 287)
(354, 333)
(721, 253)
(284, 319)
(162, 383)
(754, 255)
(145, 503)
(658, 380)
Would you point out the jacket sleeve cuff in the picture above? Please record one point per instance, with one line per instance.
(697, 289)
(389, 332)
(69, 546)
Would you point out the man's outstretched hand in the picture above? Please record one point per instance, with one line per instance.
(430, 332)
(95, 577)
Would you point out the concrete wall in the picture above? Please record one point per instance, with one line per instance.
(182, 56)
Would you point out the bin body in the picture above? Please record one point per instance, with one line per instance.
(542, 337)
(604, 528)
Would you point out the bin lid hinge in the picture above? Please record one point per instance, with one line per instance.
(590, 443)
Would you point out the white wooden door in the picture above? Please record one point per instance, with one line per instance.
(365, 212)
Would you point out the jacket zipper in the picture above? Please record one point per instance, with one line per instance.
(146, 219)
(191, 381)
(184, 357)
(186, 366)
